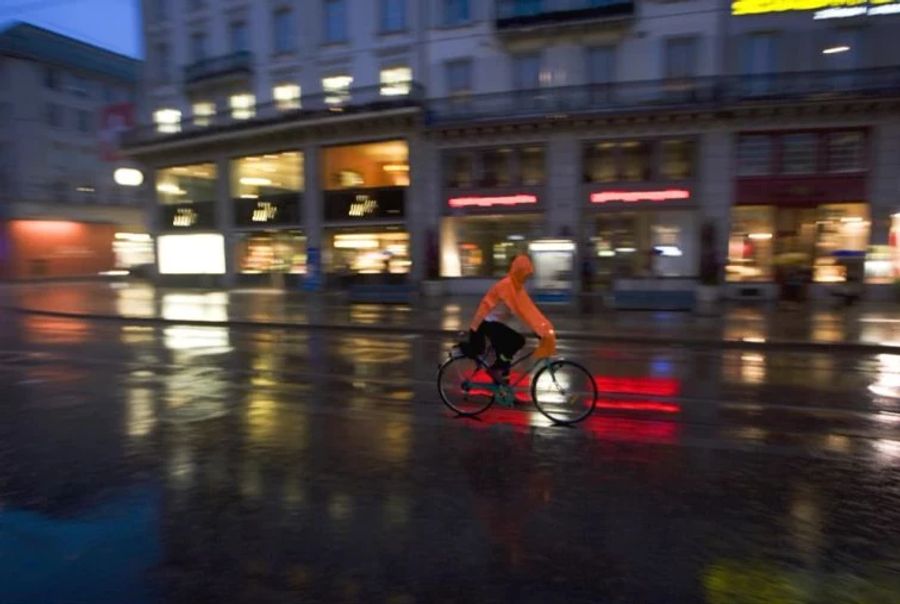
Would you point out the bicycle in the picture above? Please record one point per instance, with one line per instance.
(564, 391)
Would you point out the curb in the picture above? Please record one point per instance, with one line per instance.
(786, 345)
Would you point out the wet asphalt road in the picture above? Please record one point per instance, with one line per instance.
(186, 464)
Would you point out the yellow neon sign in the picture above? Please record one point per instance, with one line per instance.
(761, 7)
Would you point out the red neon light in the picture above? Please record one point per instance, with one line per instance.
(636, 196)
(488, 202)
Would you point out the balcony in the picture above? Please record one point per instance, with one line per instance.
(515, 14)
(702, 93)
(324, 106)
(238, 64)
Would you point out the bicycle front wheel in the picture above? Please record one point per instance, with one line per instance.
(464, 386)
(564, 391)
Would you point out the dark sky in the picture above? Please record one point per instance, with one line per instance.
(112, 24)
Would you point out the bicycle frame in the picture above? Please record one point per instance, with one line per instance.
(496, 387)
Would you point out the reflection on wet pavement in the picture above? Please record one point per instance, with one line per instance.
(138, 465)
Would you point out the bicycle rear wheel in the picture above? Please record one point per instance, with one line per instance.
(564, 391)
(464, 386)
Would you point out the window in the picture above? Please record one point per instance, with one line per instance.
(601, 65)
(198, 46)
(283, 31)
(243, 106)
(393, 15)
(484, 246)
(287, 96)
(677, 159)
(237, 35)
(459, 169)
(337, 89)
(754, 155)
(54, 115)
(396, 81)
(497, 168)
(798, 153)
(270, 176)
(527, 71)
(51, 78)
(531, 161)
(168, 121)
(204, 112)
(636, 161)
(186, 184)
(458, 74)
(162, 63)
(455, 12)
(681, 58)
(624, 244)
(84, 121)
(79, 86)
(846, 151)
(600, 163)
(160, 12)
(371, 165)
(335, 21)
(279, 252)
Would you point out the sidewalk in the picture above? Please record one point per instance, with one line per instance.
(866, 327)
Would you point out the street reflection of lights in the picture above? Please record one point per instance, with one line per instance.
(837, 443)
(888, 382)
(340, 508)
(140, 415)
(294, 496)
(197, 341)
(251, 486)
(886, 417)
(181, 468)
(261, 418)
(887, 451)
(753, 368)
(396, 509)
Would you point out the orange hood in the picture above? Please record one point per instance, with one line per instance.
(520, 270)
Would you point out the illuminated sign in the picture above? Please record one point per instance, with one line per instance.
(490, 202)
(638, 196)
(822, 9)
(264, 212)
(363, 206)
(184, 217)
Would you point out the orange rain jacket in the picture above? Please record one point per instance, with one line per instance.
(510, 290)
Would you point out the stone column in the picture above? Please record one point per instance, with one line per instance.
(563, 206)
(715, 190)
(884, 179)
(225, 218)
(313, 200)
(419, 216)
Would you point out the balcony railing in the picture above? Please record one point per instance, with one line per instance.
(703, 92)
(237, 63)
(324, 105)
(528, 13)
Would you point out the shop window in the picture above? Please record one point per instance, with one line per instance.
(532, 165)
(372, 165)
(196, 254)
(750, 246)
(798, 153)
(600, 163)
(168, 121)
(846, 151)
(287, 96)
(396, 81)
(369, 253)
(484, 246)
(272, 252)
(645, 244)
(186, 184)
(754, 155)
(283, 31)
(459, 169)
(243, 106)
(203, 113)
(843, 231)
(677, 159)
(273, 175)
(497, 168)
(337, 89)
(636, 161)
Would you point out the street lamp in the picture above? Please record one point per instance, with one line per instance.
(128, 177)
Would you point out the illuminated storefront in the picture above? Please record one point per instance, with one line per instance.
(493, 208)
(642, 221)
(365, 196)
(801, 207)
(267, 193)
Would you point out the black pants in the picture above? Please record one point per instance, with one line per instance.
(505, 340)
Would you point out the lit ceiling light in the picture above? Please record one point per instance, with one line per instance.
(171, 189)
(253, 181)
(835, 50)
(760, 236)
(128, 177)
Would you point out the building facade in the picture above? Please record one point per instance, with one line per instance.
(330, 140)
(64, 105)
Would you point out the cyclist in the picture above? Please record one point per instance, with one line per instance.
(506, 298)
